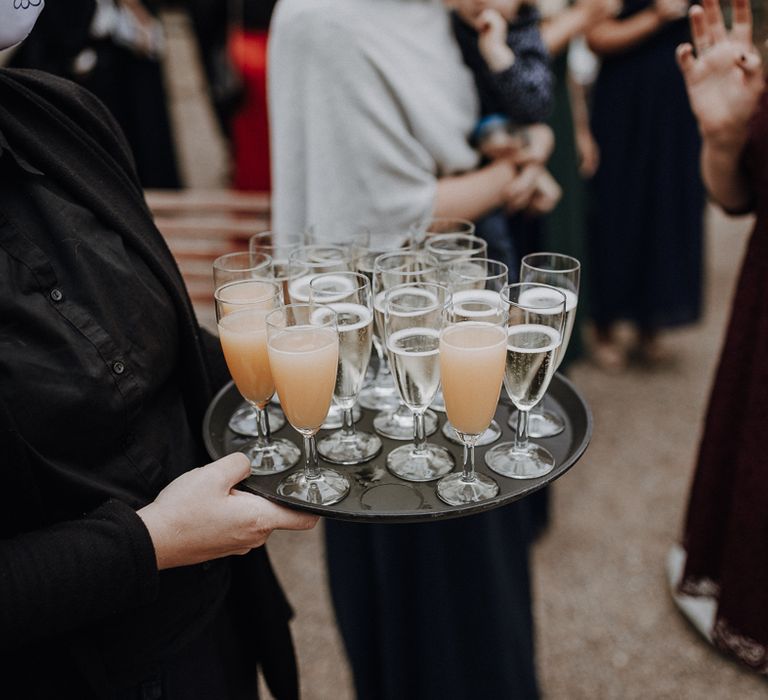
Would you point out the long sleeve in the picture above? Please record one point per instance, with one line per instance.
(353, 135)
(73, 573)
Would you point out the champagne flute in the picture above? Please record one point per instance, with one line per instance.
(350, 236)
(380, 394)
(304, 264)
(475, 285)
(563, 272)
(230, 268)
(439, 225)
(413, 317)
(392, 269)
(449, 249)
(535, 332)
(349, 295)
(473, 345)
(241, 309)
(303, 347)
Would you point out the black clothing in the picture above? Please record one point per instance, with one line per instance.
(104, 379)
(523, 92)
(436, 611)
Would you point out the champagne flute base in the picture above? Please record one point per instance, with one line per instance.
(530, 461)
(492, 433)
(541, 424)
(428, 464)
(398, 425)
(379, 397)
(273, 457)
(243, 420)
(358, 448)
(455, 490)
(335, 417)
(325, 489)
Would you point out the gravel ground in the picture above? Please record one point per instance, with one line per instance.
(606, 625)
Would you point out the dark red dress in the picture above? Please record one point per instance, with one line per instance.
(726, 530)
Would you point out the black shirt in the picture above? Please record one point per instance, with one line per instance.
(103, 380)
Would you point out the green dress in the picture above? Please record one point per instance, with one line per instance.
(564, 228)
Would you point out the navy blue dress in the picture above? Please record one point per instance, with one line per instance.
(646, 231)
(436, 611)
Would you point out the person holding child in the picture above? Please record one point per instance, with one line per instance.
(502, 46)
(371, 110)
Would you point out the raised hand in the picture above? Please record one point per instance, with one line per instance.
(724, 79)
(199, 516)
(492, 31)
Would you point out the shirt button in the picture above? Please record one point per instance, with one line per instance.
(118, 367)
(56, 295)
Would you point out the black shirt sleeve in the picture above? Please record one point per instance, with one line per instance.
(74, 573)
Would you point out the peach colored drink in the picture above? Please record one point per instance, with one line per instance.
(304, 360)
(243, 336)
(472, 358)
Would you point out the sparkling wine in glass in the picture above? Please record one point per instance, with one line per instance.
(475, 285)
(241, 310)
(390, 270)
(304, 264)
(380, 394)
(413, 318)
(473, 352)
(303, 347)
(349, 295)
(562, 272)
(535, 329)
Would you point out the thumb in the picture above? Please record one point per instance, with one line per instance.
(231, 469)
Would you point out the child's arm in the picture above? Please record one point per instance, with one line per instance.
(517, 67)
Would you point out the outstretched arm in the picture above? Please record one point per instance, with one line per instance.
(724, 82)
(617, 35)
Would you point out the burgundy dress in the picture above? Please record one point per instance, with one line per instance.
(726, 530)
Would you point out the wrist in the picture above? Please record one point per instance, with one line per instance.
(499, 57)
(726, 140)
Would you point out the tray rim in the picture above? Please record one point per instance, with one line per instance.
(250, 484)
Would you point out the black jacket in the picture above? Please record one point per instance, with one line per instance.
(105, 375)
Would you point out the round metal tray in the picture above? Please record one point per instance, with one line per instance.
(377, 496)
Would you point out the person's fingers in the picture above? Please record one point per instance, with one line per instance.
(714, 18)
(281, 518)
(699, 30)
(231, 469)
(742, 21)
(685, 59)
(750, 62)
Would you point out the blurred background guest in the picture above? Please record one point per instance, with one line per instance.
(250, 125)
(646, 234)
(720, 575)
(114, 48)
(576, 155)
(371, 112)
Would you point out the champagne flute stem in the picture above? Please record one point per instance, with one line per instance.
(419, 432)
(263, 433)
(311, 464)
(521, 434)
(348, 423)
(468, 474)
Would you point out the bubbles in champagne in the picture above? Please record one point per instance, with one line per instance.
(531, 350)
